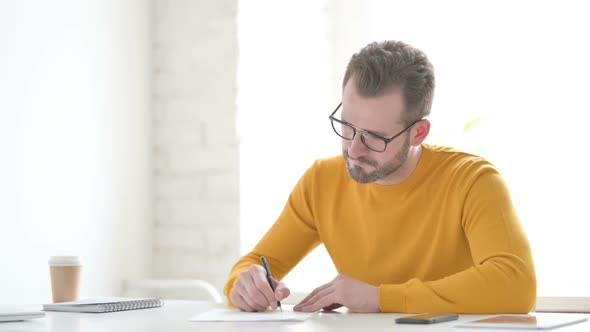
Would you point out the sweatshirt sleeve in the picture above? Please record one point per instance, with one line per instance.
(502, 278)
(291, 237)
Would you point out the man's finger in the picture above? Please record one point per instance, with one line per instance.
(254, 296)
(239, 301)
(264, 287)
(332, 306)
(252, 304)
(319, 295)
(313, 293)
(281, 291)
(312, 299)
(247, 298)
(319, 304)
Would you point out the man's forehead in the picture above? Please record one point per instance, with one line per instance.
(385, 107)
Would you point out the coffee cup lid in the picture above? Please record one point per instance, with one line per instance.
(64, 260)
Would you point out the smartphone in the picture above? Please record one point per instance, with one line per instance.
(427, 318)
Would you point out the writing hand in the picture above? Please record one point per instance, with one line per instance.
(252, 291)
(342, 291)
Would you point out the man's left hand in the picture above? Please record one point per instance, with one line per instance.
(342, 291)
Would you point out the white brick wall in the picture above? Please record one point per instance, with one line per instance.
(195, 142)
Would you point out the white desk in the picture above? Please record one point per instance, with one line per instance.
(174, 316)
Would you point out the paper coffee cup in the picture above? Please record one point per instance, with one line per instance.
(64, 261)
(65, 278)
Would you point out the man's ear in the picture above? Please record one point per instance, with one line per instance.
(420, 132)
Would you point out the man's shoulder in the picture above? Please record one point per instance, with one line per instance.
(453, 158)
(447, 152)
(330, 167)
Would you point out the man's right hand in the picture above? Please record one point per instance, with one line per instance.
(252, 291)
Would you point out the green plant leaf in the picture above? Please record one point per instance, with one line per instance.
(471, 124)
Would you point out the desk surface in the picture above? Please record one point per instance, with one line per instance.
(175, 315)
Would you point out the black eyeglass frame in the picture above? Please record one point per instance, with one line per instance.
(356, 130)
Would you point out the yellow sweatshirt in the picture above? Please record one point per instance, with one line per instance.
(446, 240)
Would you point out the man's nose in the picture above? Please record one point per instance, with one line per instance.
(357, 147)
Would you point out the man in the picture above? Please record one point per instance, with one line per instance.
(410, 227)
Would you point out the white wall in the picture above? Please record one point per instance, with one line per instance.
(286, 93)
(75, 158)
(195, 148)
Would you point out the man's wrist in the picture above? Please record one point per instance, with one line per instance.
(375, 299)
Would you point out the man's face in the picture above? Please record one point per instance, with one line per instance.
(382, 115)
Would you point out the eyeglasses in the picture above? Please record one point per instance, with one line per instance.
(371, 140)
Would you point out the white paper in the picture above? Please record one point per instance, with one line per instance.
(235, 315)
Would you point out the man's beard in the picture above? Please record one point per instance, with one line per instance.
(358, 174)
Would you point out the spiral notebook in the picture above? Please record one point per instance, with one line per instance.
(107, 304)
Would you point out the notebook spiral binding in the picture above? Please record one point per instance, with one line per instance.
(131, 305)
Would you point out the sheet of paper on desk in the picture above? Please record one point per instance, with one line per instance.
(235, 315)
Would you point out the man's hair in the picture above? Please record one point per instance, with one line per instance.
(381, 66)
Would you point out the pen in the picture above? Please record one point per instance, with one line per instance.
(269, 277)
